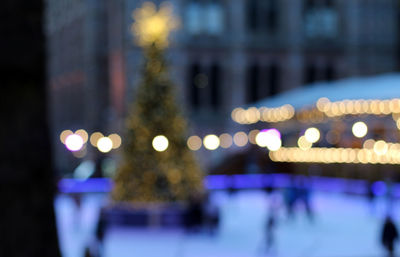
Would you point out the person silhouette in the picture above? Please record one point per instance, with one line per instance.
(389, 234)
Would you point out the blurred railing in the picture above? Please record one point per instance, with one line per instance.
(253, 181)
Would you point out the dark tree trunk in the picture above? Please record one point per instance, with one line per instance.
(27, 221)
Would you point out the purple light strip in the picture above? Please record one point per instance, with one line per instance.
(242, 181)
(95, 185)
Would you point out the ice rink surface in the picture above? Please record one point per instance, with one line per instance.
(343, 226)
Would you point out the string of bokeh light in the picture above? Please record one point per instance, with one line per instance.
(270, 138)
(357, 107)
(381, 153)
(324, 109)
(76, 141)
(254, 115)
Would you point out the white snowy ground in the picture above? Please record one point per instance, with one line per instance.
(344, 226)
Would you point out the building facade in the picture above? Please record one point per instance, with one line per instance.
(227, 53)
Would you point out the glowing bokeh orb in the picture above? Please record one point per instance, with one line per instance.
(312, 135)
(262, 139)
(116, 140)
(369, 144)
(84, 135)
(194, 143)
(270, 138)
(94, 138)
(160, 143)
(65, 134)
(225, 140)
(74, 142)
(153, 26)
(380, 147)
(240, 139)
(359, 129)
(303, 143)
(274, 132)
(252, 136)
(211, 142)
(104, 144)
(274, 144)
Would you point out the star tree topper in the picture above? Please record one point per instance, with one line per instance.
(152, 26)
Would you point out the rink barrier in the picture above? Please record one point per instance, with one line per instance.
(250, 181)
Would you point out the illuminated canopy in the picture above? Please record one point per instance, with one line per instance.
(378, 87)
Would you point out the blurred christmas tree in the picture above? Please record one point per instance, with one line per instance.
(169, 173)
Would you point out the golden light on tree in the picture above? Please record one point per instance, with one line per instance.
(152, 26)
(155, 123)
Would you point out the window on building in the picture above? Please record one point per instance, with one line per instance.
(310, 4)
(194, 71)
(274, 79)
(214, 18)
(194, 15)
(252, 15)
(262, 16)
(253, 74)
(272, 16)
(310, 75)
(329, 73)
(215, 86)
(205, 17)
(320, 19)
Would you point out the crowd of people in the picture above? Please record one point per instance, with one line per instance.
(202, 215)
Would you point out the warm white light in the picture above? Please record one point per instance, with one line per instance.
(116, 140)
(104, 144)
(84, 135)
(312, 135)
(303, 143)
(262, 139)
(211, 142)
(194, 143)
(380, 147)
(95, 137)
(65, 134)
(269, 138)
(160, 143)
(274, 144)
(74, 142)
(153, 26)
(359, 129)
